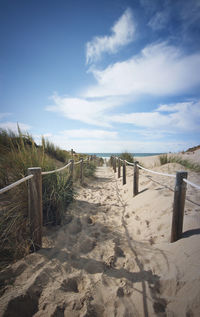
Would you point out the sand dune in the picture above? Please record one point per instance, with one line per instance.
(112, 256)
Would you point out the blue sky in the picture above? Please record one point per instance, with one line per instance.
(102, 76)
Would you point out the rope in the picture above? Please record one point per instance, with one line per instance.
(190, 183)
(55, 171)
(76, 163)
(5, 189)
(163, 174)
(129, 163)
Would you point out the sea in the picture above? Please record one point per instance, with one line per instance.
(108, 155)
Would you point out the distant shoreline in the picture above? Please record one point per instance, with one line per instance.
(107, 155)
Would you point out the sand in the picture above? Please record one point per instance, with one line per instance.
(112, 256)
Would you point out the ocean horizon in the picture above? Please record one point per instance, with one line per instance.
(107, 155)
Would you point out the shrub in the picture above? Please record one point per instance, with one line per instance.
(163, 159)
(127, 156)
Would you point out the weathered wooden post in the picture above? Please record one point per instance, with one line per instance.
(119, 167)
(124, 172)
(81, 171)
(111, 161)
(114, 164)
(178, 207)
(135, 179)
(72, 169)
(35, 212)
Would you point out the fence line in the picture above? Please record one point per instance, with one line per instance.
(57, 170)
(22, 180)
(154, 172)
(76, 163)
(35, 212)
(179, 191)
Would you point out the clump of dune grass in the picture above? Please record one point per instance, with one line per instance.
(127, 156)
(164, 159)
(54, 151)
(17, 155)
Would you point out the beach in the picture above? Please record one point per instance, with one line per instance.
(112, 256)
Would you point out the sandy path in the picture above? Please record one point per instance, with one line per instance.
(91, 267)
(107, 260)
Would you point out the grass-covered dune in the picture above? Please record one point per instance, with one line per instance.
(18, 153)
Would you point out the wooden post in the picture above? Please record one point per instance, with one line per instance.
(72, 152)
(135, 179)
(124, 172)
(81, 171)
(114, 164)
(35, 212)
(119, 167)
(178, 207)
(111, 161)
(72, 169)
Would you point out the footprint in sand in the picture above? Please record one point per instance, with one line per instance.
(138, 231)
(75, 226)
(70, 285)
(87, 245)
(147, 223)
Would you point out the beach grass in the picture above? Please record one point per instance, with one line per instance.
(164, 159)
(18, 153)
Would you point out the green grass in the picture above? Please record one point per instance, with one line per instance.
(54, 151)
(164, 159)
(18, 153)
(127, 156)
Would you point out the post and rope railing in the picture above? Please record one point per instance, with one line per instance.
(179, 193)
(35, 212)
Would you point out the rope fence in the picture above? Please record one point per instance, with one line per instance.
(57, 170)
(20, 181)
(191, 184)
(35, 211)
(179, 191)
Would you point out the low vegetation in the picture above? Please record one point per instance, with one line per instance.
(18, 153)
(164, 159)
(127, 156)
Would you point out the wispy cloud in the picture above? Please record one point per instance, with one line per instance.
(119, 144)
(180, 117)
(159, 70)
(4, 115)
(122, 34)
(159, 20)
(89, 134)
(13, 126)
(87, 111)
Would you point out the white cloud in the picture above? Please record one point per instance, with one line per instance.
(13, 126)
(89, 134)
(159, 20)
(159, 70)
(4, 114)
(87, 111)
(118, 144)
(180, 117)
(122, 34)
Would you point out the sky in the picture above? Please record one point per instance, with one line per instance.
(102, 76)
